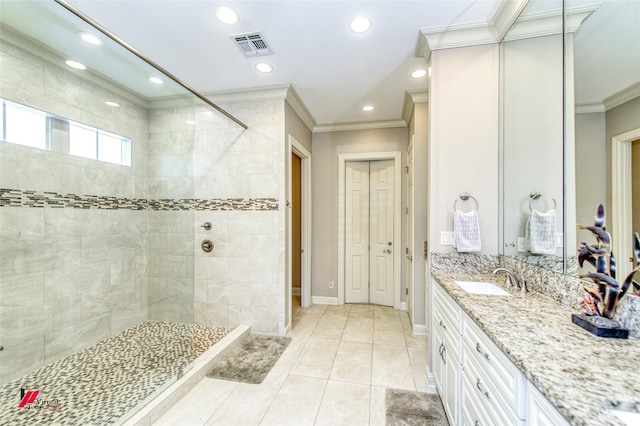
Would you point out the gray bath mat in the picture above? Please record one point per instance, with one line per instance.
(407, 408)
(251, 360)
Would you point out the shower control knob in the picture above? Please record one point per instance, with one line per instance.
(207, 246)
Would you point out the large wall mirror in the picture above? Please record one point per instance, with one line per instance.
(570, 115)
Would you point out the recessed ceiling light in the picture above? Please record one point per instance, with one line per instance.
(368, 108)
(360, 25)
(155, 80)
(76, 65)
(226, 15)
(418, 73)
(90, 38)
(264, 67)
(113, 104)
(190, 122)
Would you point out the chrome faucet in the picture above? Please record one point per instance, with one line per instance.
(512, 280)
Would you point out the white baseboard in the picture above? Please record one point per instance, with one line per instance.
(403, 306)
(431, 382)
(296, 291)
(323, 300)
(420, 329)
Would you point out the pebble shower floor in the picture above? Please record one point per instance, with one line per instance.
(104, 382)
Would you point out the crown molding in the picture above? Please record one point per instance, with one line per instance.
(549, 23)
(412, 97)
(487, 32)
(589, 107)
(293, 99)
(622, 96)
(267, 93)
(360, 125)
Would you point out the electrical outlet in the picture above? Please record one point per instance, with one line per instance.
(558, 239)
(521, 245)
(330, 284)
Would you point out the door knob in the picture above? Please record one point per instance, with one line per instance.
(389, 243)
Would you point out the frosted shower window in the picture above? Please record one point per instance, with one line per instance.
(27, 126)
(24, 126)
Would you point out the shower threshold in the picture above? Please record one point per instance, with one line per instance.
(131, 378)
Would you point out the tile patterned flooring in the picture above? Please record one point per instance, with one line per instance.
(334, 372)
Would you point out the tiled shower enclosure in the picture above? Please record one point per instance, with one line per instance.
(90, 249)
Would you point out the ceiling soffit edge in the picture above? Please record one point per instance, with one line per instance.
(360, 125)
(470, 34)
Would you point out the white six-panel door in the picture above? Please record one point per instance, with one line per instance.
(369, 268)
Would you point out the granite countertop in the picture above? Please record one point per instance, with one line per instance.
(571, 367)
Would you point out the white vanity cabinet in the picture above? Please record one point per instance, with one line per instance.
(446, 349)
(491, 380)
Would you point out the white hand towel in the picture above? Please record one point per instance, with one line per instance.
(466, 231)
(540, 232)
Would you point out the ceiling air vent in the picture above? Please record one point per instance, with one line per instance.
(252, 44)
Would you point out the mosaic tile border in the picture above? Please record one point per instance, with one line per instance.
(26, 198)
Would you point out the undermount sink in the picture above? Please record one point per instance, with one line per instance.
(627, 417)
(482, 287)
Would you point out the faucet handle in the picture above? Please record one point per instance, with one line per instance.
(523, 286)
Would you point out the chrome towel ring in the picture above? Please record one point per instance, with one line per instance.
(465, 196)
(534, 195)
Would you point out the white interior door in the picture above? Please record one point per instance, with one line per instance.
(357, 232)
(369, 268)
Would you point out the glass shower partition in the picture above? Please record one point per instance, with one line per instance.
(96, 222)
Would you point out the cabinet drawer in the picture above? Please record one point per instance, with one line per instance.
(486, 395)
(473, 412)
(507, 380)
(447, 334)
(449, 309)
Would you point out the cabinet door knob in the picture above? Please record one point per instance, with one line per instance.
(443, 325)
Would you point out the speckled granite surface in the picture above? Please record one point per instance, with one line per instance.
(567, 290)
(572, 368)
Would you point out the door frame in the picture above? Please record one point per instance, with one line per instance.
(295, 147)
(396, 156)
(621, 199)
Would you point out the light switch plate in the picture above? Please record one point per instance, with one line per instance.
(521, 248)
(446, 238)
(559, 239)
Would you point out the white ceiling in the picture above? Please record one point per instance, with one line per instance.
(334, 71)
